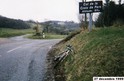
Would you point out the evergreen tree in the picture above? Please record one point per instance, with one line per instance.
(111, 13)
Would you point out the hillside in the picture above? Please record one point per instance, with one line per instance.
(98, 53)
(13, 23)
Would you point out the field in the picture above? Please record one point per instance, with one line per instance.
(7, 32)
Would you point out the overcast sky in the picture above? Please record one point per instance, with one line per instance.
(41, 10)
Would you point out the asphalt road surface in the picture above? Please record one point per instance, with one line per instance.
(24, 59)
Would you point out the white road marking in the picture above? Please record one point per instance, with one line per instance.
(46, 44)
(13, 49)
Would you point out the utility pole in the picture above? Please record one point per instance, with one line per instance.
(90, 22)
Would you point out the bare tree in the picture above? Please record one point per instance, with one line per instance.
(37, 29)
(83, 24)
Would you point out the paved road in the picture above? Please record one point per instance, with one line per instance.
(24, 59)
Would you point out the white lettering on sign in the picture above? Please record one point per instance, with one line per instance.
(97, 6)
(89, 11)
(96, 10)
(84, 4)
(91, 7)
(96, 3)
(87, 4)
(92, 4)
(83, 8)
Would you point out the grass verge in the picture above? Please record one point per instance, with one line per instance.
(47, 36)
(98, 53)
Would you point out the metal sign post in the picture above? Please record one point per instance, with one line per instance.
(90, 22)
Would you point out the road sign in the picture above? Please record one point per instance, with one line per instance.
(90, 7)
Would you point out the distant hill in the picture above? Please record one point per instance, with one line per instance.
(13, 23)
(60, 27)
(67, 24)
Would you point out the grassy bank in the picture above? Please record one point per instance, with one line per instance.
(6, 32)
(47, 36)
(98, 53)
